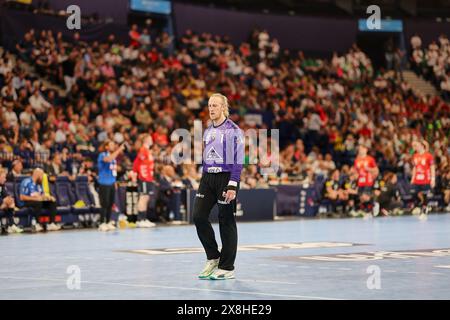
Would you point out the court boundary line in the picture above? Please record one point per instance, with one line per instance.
(174, 288)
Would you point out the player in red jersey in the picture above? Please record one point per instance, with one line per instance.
(367, 170)
(143, 165)
(423, 178)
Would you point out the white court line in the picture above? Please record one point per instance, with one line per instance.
(443, 266)
(177, 288)
(267, 281)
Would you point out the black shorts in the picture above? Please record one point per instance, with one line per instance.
(365, 190)
(424, 188)
(146, 188)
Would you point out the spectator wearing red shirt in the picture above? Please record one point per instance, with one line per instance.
(160, 136)
(134, 36)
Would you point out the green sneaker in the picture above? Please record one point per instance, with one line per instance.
(220, 274)
(210, 266)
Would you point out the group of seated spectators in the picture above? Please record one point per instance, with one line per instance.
(322, 108)
(341, 190)
(433, 62)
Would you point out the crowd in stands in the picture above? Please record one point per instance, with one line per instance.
(323, 108)
(433, 62)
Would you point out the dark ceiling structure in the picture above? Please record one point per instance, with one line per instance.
(389, 8)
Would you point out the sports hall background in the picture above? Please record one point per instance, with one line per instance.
(303, 67)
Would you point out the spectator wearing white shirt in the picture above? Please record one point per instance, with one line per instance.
(145, 39)
(19, 81)
(313, 124)
(38, 103)
(11, 116)
(126, 90)
(6, 66)
(27, 117)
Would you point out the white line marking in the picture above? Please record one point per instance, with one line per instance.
(346, 269)
(443, 266)
(267, 281)
(176, 288)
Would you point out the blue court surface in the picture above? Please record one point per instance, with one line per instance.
(381, 258)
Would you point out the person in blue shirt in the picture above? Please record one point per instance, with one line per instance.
(31, 195)
(223, 159)
(107, 173)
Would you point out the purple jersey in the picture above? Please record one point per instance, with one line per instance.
(224, 150)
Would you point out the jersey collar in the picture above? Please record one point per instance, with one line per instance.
(220, 124)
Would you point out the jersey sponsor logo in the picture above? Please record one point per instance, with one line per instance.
(212, 155)
(199, 195)
(214, 169)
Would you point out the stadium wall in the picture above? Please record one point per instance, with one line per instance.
(115, 9)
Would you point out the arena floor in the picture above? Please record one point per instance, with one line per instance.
(299, 259)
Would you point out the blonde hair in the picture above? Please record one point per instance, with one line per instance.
(226, 112)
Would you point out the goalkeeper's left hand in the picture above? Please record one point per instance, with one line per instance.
(229, 195)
